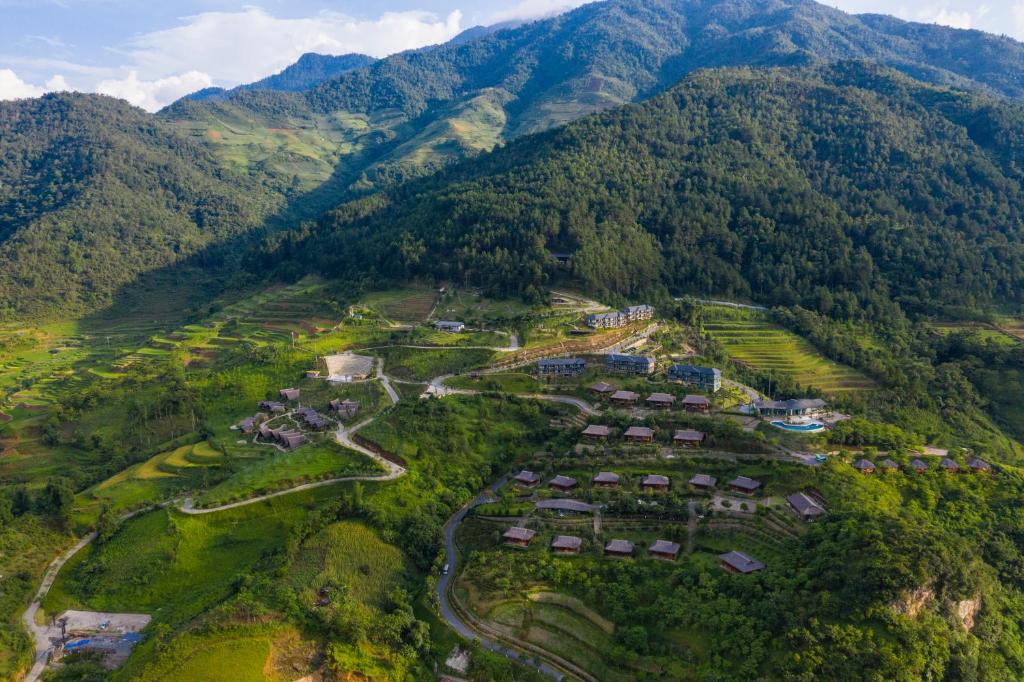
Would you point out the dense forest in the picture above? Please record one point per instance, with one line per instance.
(847, 189)
(94, 192)
(310, 69)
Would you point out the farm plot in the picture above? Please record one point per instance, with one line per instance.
(751, 338)
(403, 305)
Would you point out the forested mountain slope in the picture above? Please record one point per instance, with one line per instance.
(94, 192)
(841, 188)
(310, 69)
(418, 110)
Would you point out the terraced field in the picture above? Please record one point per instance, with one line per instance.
(749, 337)
(403, 305)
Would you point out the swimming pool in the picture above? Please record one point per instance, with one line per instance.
(808, 427)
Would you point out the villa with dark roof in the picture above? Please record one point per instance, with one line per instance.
(705, 378)
(527, 479)
(738, 562)
(619, 548)
(654, 483)
(742, 484)
(664, 549)
(562, 483)
(703, 481)
(566, 544)
(639, 365)
(696, 403)
(639, 434)
(605, 479)
(688, 438)
(519, 537)
(561, 367)
(805, 507)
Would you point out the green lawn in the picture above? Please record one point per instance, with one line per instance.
(412, 364)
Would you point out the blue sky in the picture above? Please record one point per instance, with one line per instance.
(152, 52)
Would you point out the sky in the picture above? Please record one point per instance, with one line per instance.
(153, 52)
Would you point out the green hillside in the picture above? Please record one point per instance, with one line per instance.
(843, 188)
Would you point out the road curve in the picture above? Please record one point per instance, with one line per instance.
(444, 584)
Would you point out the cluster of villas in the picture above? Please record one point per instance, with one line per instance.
(640, 435)
(618, 548)
(620, 318)
(919, 466)
(650, 483)
(654, 401)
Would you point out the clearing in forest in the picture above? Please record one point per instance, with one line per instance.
(750, 337)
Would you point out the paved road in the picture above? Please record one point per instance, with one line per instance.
(386, 382)
(438, 388)
(448, 613)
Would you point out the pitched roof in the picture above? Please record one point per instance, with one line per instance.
(525, 476)
(597, 430)
(619, 547)
(889, 464)
(689, 435)
(696, 400)
(864, 465)
(741, 562)
(654, 479)
(978, 464)
(625, 395)
(567, 505)
(803, 503)
(561, 481)
(639, 432)
(664, 547)
(566, 542)
(519, 534)
(949, 464)
(745, 483)
(703, 480)
(919, 464)
(661, 398)
(602, 387)
(606, 477)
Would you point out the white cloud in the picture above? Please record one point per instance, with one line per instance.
(244, 46)
(12, 87)
(534, 9)
(946, 17)
(154, 94)
(1017, 14)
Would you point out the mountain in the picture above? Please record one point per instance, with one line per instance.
(414, 112)
(312, 68)
(844, 188)
(94, 192)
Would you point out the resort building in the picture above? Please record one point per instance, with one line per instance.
(639, 365)
(273, 406)
(660, 401)
(889, 465)
(619, 548)
(601, 388)
(790, 408)
(705, 378)
(688, 438)
(663, 549)
(742, 484)
(290, 393)
(653, 483)
(620, 318)
(703, 481)
(526, 479)
(949, 465)
(597, 432)
(864, 466)
(561, 367)
(738, 562)
(639, 434)
(696, 403)
(919, 466)
(562, 483)
(805, 507)
(625, 397)
(605, 479)
(979, 466)
(450, 326)
(519, 537)
(345, 408)
(566, 544)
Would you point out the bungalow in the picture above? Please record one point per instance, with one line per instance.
(889, 465)
(566, 544)
(345, 408)
(519, 537)
(949, 465)
(605, 479)
(919, 466)
(790, 408)
(265, 432)
(526, 479)
(450, 326)
(660, 401)
(618, 548)
(562, 483)
(705, 378)
(602, 388)
(289, 439)
(979, 466)
(597, 432)
(864, 466)
(312, 419)
(247, 425)
(688, 438)
(653, 483)
(640, 365)
(272, 406)
(805, 507)
(663, 549)
(738, 562)
(624, 397)
(696, 403)
(703, 481)
(290, 393)
(639, 434)
(742, 484)
(561, 367)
